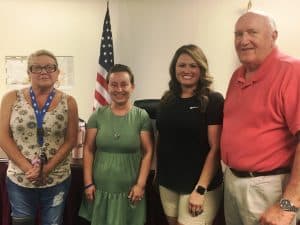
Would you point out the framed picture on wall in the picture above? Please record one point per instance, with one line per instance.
(16, 71)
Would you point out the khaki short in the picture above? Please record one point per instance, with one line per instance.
(246, 199)
(176, 205)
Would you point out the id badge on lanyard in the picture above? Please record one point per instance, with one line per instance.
(40, 114)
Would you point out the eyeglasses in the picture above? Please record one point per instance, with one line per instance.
(39, 69)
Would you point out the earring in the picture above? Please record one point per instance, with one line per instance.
(57, 84)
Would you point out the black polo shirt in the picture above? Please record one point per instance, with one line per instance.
(183, 141)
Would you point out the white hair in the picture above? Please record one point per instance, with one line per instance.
(268, 16)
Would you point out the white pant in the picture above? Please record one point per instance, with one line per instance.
(176, 205)
(245, 199)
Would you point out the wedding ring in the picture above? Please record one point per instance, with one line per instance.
(199, 212)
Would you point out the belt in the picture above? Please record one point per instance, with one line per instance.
(277, 171)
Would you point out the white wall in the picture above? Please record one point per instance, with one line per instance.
(146, 34)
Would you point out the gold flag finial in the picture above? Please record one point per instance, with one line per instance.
(249, 5)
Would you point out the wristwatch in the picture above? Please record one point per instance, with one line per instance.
(286, 205)
(200, 190)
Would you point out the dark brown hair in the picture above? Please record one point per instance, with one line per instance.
(120, 68)
(204, 83)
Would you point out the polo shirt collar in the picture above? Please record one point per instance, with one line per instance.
(260, 73)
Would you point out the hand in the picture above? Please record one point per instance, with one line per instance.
(37, 175)
(136, 193)
(90, 193)
(45, 171)
(33, 174)
(276, 216)
(196, 202)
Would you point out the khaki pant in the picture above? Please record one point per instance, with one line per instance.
(245, 199)
(176, 205)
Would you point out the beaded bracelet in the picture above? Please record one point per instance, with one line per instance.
(89, 185)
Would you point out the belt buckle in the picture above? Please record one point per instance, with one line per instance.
(251, 174)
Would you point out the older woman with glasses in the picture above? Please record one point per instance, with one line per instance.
(38, 129)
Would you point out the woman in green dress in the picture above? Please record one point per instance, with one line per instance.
(117, 157)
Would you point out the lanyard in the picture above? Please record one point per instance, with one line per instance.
(40, 114)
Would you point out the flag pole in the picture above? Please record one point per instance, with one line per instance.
(105, 62)
(249, 6)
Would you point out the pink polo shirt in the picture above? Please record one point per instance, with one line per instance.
(262, 115)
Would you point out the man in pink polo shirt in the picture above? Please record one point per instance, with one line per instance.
(260, 141)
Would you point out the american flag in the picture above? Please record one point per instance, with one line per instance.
(106, 61)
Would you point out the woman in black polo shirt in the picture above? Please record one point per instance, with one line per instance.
(189, 126)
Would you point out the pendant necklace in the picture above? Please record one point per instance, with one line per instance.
(116, 134)
(116, 119)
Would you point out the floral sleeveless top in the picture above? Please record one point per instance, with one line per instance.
(23, 126)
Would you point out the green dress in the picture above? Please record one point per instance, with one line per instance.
(116, 167)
